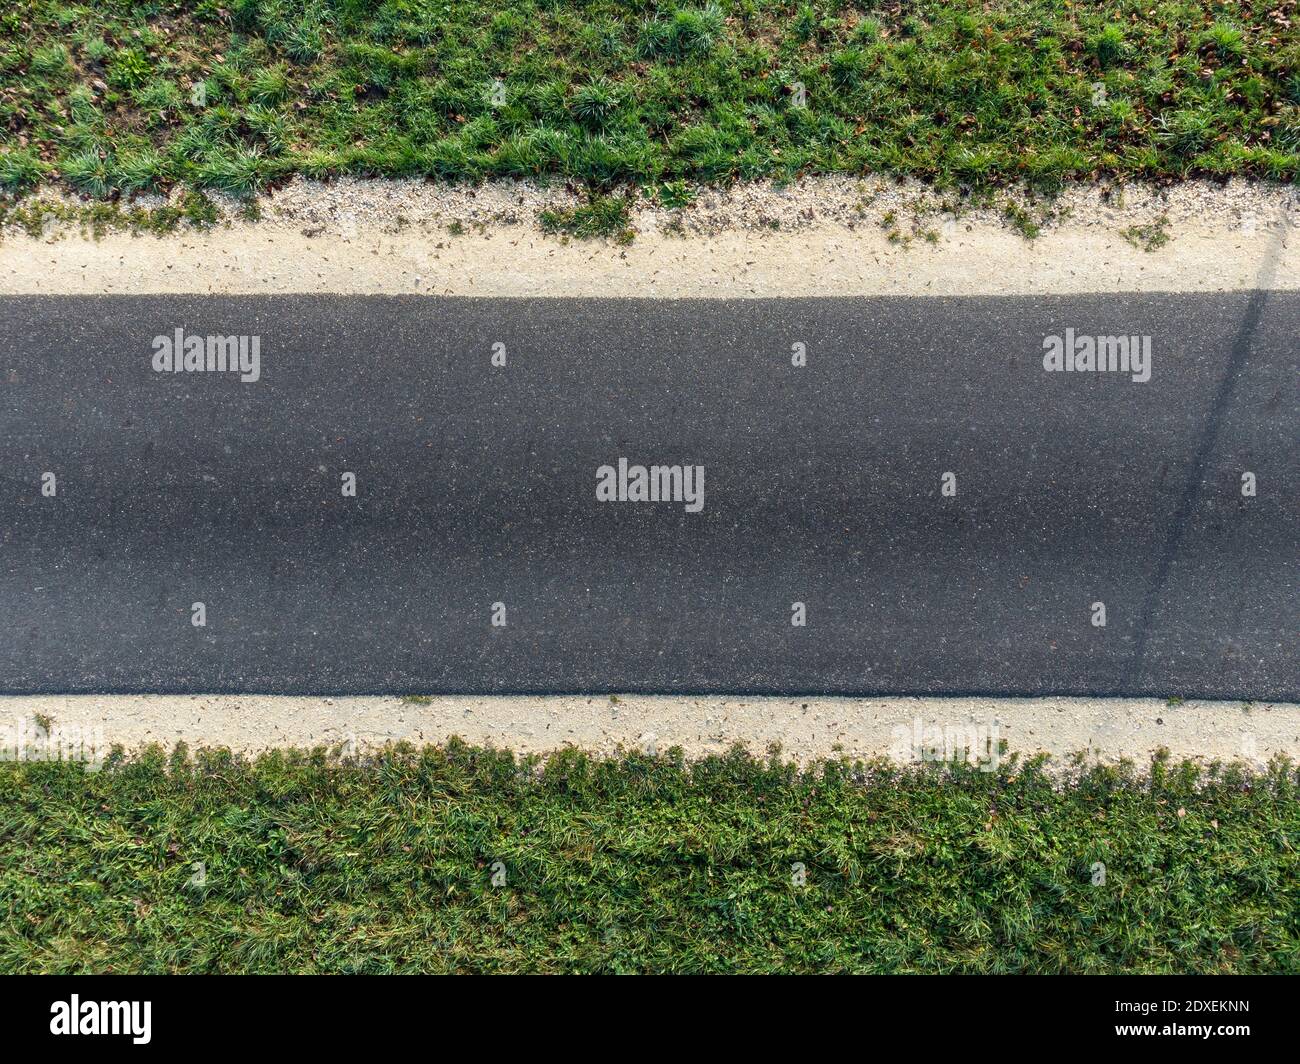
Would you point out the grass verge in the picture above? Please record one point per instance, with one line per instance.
(464, 859)
(115, 97)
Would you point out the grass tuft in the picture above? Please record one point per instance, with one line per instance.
(602, 215)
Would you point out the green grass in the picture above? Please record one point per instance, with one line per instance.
(41, 217)
(1151, 237)
(601, 215)
(641, 864)
(112, 97)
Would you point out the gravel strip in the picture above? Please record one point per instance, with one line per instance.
(348, 206)
(806, 729)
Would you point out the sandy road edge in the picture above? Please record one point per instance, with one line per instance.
(823, 237)
(806, 728)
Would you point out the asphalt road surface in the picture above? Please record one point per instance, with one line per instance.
(824, 484)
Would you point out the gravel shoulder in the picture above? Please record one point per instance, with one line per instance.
(806, 729)
(831, 236)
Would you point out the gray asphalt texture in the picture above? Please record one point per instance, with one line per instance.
(476, 485)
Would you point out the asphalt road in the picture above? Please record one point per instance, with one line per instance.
(823, 485)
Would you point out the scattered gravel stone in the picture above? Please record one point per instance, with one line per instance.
(355, 206)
